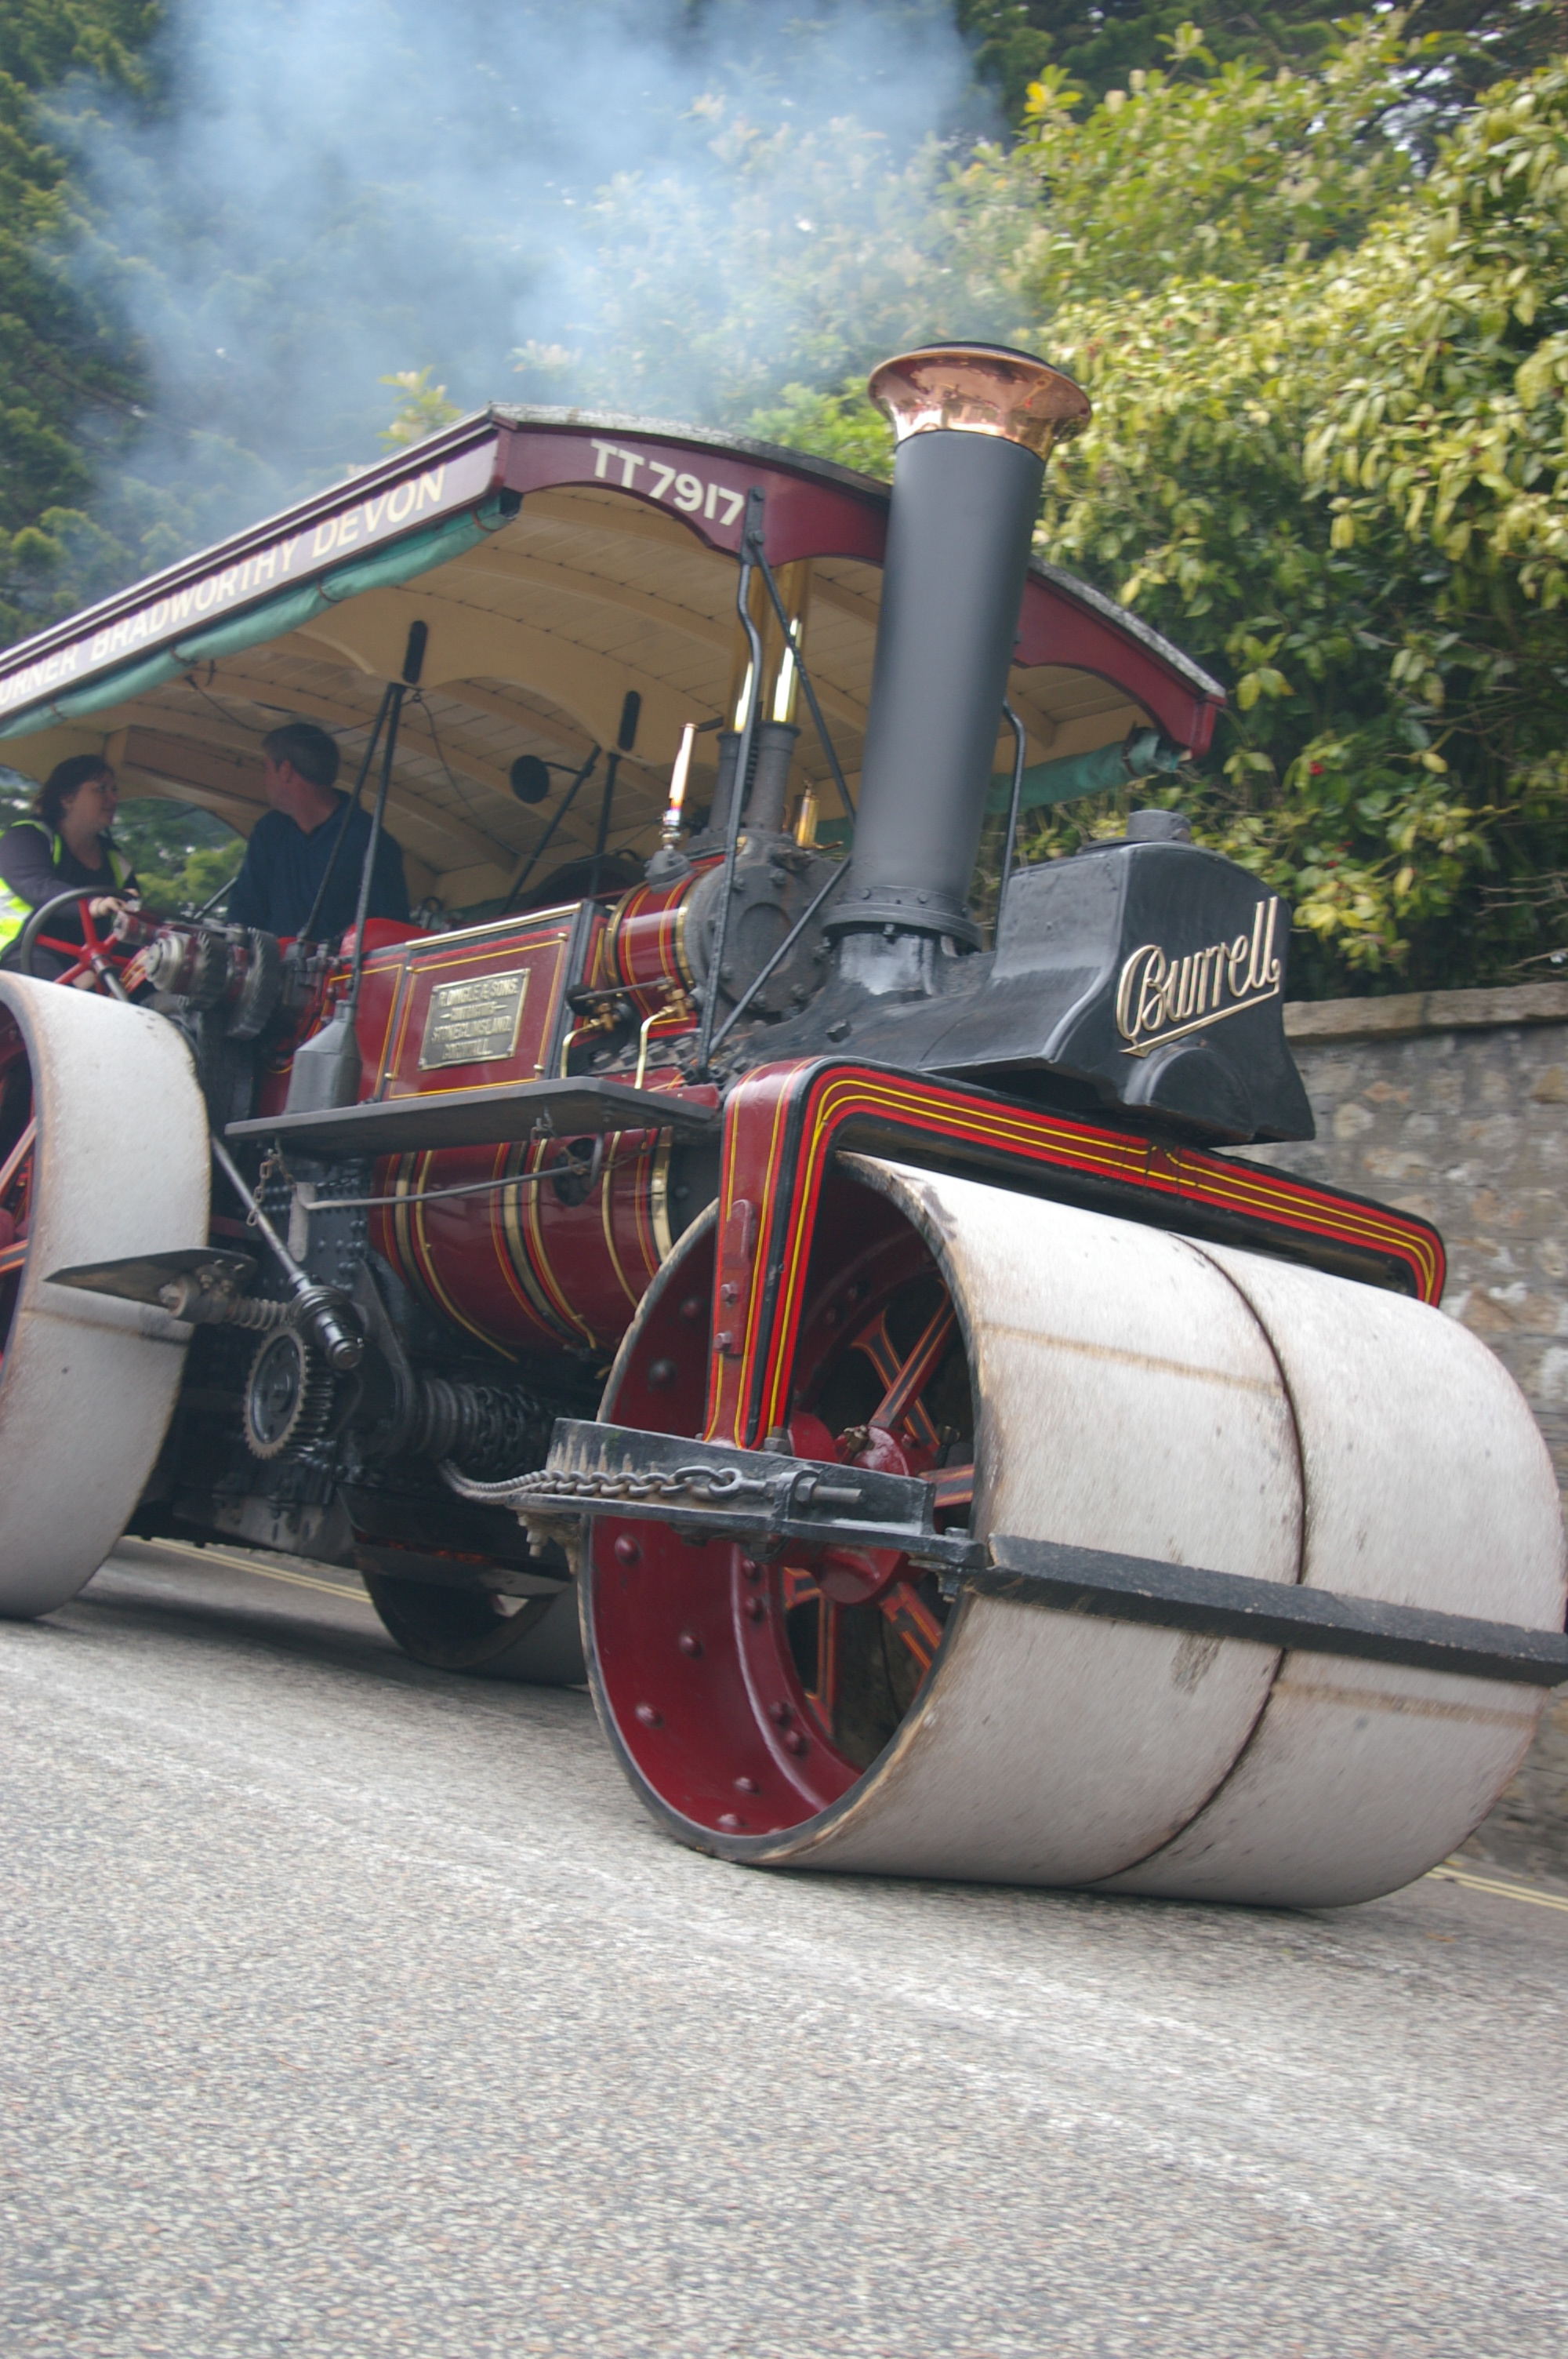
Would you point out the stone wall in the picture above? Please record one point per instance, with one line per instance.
(1455, 1105)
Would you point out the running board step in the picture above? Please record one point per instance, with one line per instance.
(572, 1108)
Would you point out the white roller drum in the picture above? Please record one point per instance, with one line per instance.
(87, 1384)
(1428, 1484)
(1137, 1393)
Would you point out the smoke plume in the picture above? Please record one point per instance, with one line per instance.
(632, 203)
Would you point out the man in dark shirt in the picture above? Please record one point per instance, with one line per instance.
(290, 849)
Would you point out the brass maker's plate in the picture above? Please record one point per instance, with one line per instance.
(474, 1022)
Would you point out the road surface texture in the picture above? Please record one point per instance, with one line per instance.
(349, 2009)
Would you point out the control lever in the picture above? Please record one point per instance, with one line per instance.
(323, 1310)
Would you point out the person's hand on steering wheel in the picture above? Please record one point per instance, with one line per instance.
(91, 963)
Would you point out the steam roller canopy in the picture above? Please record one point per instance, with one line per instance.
(1129, 1391)
(118, 1166)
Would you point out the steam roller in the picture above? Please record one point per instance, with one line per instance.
(827, 1306)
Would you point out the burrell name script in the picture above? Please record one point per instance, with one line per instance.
(1162, 996)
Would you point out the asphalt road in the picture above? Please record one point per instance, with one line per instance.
(350, 2009)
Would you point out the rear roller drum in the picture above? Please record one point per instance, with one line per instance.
(1061, 1375)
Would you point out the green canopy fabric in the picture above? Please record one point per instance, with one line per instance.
(270, 620)
(1063, 781)
(131, 679)
(437, 545)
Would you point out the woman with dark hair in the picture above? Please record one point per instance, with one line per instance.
(67, 844)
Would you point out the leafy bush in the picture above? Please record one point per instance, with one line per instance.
(1328, 457)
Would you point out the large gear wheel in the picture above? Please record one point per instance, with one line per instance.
(289, 1397)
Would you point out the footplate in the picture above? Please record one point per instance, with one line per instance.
(760, 1499)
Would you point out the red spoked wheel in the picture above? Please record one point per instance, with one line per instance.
(747, 1697)
(18, 1141)
(94, 962)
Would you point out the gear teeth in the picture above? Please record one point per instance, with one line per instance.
(288, 1427)
(315, 1409)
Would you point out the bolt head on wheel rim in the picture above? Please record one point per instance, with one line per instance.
(751, 1696)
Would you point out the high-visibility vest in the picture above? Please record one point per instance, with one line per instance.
(14, 912)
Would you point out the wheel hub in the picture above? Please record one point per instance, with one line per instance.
(289, 1397)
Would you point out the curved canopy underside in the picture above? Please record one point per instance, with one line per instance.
(557, 562)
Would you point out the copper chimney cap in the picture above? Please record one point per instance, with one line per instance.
(979, 389)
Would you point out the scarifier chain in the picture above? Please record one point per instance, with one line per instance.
(684, 1482)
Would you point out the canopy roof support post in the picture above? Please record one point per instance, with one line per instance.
(328, 1069)
(610, 769)
(792, 640)
(752, 533)
(526, 867)
(1019, 747)
(308, 930)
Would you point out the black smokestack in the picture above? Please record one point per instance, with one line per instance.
(974, 424)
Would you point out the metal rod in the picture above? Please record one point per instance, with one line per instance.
(253, 1213)
(751, 551)
(1268, 1612)
(18, 1155)
(569, 1170)
(1020, 746)
(343, 1345)
(212, 899)
(612, 770)
(306, 931)
(527, 867)
(356, 976)
(827, 746)
(783, 952)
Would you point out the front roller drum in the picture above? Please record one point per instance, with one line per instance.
(487, 1633)
(104, 1154)
(1062, 1377)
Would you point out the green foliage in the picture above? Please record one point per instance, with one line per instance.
(423, 410)
(1197, 171)
(1328, 457)
(842, 426)
(1100, 44)
(70, 380)
(1452, 423)
(833, 254)
(181, 854)
(1012, 46)
(1343, 485)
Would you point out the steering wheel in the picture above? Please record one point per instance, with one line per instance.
(94, 955)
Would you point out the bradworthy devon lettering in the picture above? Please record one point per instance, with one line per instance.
(352, 528)
(1161, 997)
